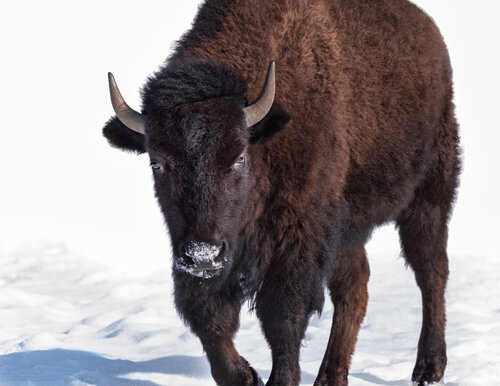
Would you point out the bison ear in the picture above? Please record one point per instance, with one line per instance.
(120, 136)
(273, 123)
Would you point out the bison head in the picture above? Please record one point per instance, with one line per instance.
(197, 130)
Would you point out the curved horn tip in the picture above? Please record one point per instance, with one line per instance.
(129, 117)
(271, 72)
(111, 78)
(255, 112)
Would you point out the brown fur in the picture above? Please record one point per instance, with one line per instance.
(372, 139)
(371, 81)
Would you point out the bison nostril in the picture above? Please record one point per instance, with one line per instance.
(182, 253)
(222, 253)
(188, 259)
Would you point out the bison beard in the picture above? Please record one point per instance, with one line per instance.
(361, 131)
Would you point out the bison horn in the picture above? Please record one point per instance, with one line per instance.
(259, 109)
(129, 117)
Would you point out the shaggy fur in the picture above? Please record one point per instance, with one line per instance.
(362, 133)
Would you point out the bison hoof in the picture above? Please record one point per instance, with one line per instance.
(429, 371)
(257, 381)
(337, 380)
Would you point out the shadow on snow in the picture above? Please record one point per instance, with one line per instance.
(59, 367)
(62, 367)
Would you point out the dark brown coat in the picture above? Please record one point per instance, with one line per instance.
(372, 139)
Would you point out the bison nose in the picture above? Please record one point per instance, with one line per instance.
(203, 255)
(201, 259)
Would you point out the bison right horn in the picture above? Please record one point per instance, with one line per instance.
(259, 109)
(129, 117)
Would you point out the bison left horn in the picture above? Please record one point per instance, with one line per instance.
(128, 116)
(259, 109)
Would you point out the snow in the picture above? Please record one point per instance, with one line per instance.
(66, 320)
(202, 252)
(203, 256)
(92, 303)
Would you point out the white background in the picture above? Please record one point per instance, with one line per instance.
(62, 185)
(61, 181)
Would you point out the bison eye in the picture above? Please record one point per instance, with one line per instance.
(156, 166)
(240, 162)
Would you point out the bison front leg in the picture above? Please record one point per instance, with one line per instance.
(284, 303)
(214, 318)
(348, 289)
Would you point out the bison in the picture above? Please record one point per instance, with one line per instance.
(281, 133)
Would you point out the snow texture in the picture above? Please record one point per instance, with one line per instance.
(66, 320)
(202, 252)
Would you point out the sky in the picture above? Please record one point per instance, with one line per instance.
(60, 181)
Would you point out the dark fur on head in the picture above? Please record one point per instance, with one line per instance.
(191, 81)
(121, 137)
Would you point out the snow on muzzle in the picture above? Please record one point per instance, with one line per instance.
(201, 259)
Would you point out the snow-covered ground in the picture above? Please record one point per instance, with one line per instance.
(66, 320)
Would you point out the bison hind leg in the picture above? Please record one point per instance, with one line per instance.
(423, 230)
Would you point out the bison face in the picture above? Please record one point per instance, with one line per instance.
(200, 164)
(199, 156)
